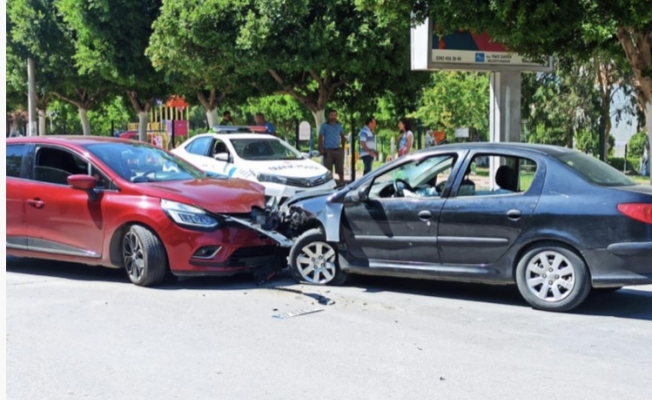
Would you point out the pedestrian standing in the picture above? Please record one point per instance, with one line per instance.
(331, 145)
(260, 121)
(405, 137)
(368, 144)
(226, 119)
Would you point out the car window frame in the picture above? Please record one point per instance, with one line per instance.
(536, 181)
(209, 139)
(457, 160)
(24, 164)
(112, 187)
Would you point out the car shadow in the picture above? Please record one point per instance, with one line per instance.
(625, 303)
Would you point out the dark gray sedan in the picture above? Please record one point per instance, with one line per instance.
(554, 221)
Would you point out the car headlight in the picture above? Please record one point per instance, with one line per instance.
(184, 214)
(271, 179)
(328, 176)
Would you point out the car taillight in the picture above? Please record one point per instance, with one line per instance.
(638, 211)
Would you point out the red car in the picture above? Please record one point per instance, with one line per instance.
(119, 203)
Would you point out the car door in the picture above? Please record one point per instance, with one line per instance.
(17, 187)
(398, 230)
(479, 226)
(61, 219)
(198, 150)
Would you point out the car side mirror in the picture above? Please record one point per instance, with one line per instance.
(222, 157)
(82, 182)
(358, 195)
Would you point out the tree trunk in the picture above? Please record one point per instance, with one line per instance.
(143, 120)
(83, 117)
(42, 117)
(212, 116)
(320, 118)
(648, 128)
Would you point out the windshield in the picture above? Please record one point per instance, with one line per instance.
(594, 170)
(140, 162)
(265, 149)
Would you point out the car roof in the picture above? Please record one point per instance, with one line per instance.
(229, 129)
(263, 136)
(513, 146)
(77, 140)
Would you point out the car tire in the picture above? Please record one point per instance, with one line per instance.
(313, 260)
(551, 277)
(143, 256)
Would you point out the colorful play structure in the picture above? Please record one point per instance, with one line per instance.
(167, 120)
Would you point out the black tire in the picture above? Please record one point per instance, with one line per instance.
(316, 238)
(560, 277)
(154, 260)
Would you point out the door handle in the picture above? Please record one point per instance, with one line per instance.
(514, 214)
(36, 203)
(425, 215)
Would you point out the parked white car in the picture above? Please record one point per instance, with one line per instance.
(263, 158)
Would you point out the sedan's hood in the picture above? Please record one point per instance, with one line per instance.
(302, 168)
(236, 196)
(309, 194)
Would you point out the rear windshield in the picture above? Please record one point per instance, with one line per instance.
(594, 170)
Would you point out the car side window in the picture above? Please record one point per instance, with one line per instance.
(419, 178)
(15, 155)
(54, 165)
(200, 146)
(513, 175)
(219, 147)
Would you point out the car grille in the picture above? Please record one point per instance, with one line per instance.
(307, 182)
(258, 255)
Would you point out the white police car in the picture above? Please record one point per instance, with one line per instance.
(240, 153)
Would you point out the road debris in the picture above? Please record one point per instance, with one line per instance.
(297, 313)
(323, 300)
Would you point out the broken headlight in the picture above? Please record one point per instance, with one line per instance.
(189, 216)
(271, 179)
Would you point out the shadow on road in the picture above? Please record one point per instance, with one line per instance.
(626, 303)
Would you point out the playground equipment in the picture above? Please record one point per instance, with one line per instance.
(166, 122)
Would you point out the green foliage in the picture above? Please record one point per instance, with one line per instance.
(110, 38)
(636, 145)
(454, 100)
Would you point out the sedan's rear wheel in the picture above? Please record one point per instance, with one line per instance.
(313, 260)
(143, 256)
(551, 277)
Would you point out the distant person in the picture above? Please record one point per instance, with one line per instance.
(260, 121)
(331, 145)
(226, 119)
(368, 144)
(405, 137)
(440, 138)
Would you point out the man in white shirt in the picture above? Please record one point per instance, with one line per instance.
(368, 144)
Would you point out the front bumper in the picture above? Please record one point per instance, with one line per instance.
(282, 192)
(620, 264)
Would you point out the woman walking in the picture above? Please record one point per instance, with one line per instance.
(405, 137)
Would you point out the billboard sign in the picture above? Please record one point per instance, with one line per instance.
(465, 50)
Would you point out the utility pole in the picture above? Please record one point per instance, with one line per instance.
(31, 98)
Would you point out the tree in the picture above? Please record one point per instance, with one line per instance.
(201, 59)
(37, 31)
(454, 100)
(563, 28)
(314, 49)
(110, 38)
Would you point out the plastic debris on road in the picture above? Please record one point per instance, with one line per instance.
(297, 313)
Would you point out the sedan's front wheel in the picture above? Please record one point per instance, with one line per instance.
(313, 260)
(143, 256)
(551, 277)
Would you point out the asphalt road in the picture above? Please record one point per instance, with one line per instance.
(76, 332)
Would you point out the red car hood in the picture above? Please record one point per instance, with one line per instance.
(232, 196)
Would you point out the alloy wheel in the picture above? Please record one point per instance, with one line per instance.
(132, 255)
(316, 263)
(550, 276)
